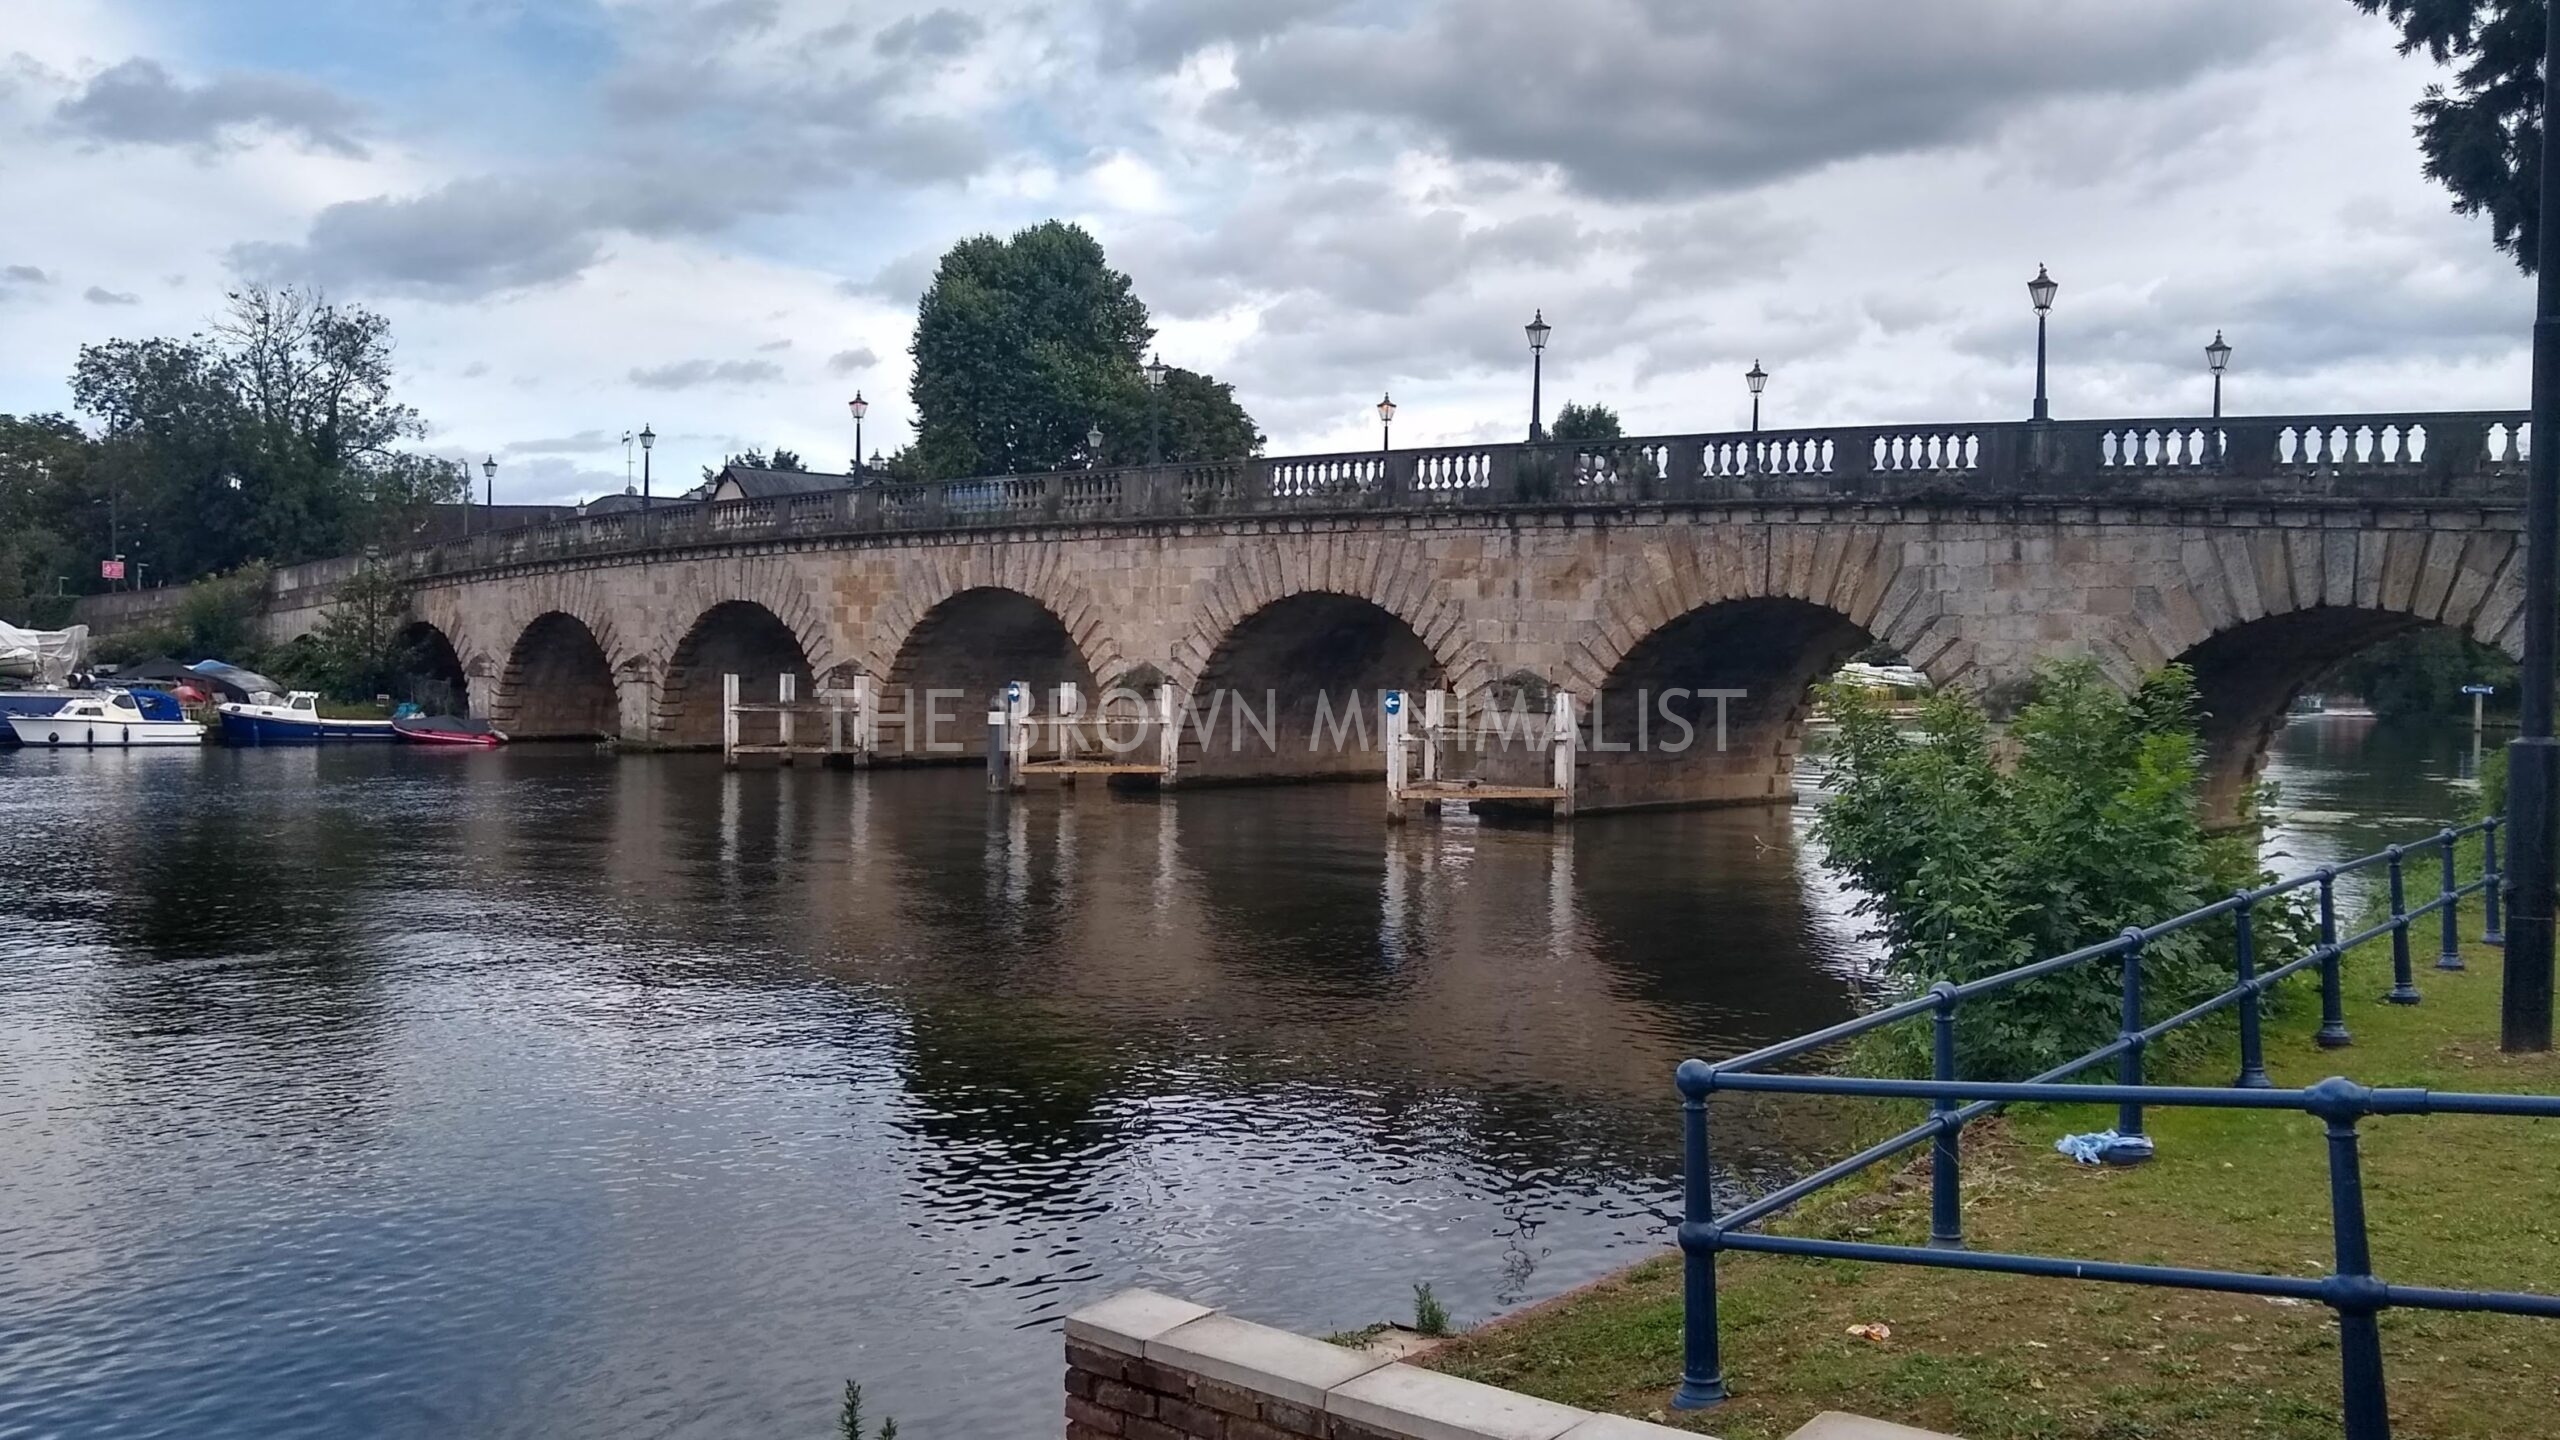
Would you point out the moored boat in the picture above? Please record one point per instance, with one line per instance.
(446, 730)
(108, 720)
(261, 720)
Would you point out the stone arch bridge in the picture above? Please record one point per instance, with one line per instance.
(2259, 551)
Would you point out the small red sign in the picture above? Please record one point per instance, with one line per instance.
(110, 569)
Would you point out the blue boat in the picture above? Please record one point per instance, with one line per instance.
(297, 721)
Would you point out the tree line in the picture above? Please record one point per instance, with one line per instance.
(273, 436)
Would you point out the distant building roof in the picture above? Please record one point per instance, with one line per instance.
(452, 522)
(741, 482)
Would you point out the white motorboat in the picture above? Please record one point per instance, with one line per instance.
(107, 720)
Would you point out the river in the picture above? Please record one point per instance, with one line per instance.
(366, 1091)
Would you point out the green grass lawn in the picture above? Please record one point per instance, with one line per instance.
(2452, 1201)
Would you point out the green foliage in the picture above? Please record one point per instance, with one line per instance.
(756, 460)
(1970, 867)
(1023, 345)
(358, 651)
(1585, 422)
(849, 1417)
(2482, 138)
(1430, 1317)
(273, 436)
(2422, 673)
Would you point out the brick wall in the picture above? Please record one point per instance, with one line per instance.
(1144, 1366)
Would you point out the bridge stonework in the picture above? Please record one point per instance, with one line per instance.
(1755, 598)
(1628, 573)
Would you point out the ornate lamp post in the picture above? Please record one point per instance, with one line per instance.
(1758, 380)
(489, 478)
(860, 407)
(648, 442)
(1092, 446)
(2040, 293)
(1155, 410)
(1538, 330)
(1386, 422)
(2217, 356)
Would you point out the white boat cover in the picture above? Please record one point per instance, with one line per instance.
(46, 657)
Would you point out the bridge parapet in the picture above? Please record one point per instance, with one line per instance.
(2401, 457)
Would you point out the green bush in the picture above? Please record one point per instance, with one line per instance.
(1969, 866)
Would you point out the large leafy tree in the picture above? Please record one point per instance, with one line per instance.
(1024, 345)
(275, 435)
(1585, 422)
(2482, 135)
(44, 463)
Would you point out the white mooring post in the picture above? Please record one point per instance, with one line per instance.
(1000, 728)
(1435, 724)
(1070, 705)
(1168, 728)
(786, 691)
(729, 721)
(1565, 740)
(1394, 704)
(866, 718)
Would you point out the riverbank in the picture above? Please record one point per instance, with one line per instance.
(2453, 1201)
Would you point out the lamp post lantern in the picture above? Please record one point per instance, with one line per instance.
(2217, 356)
(2533, 760)
(1155, 368)
(860, 407)
(1092, 446)
(489, 478)
(648, 442)
(1758, 380)
(2040, 293)
(1538, 330)
(1386, 422)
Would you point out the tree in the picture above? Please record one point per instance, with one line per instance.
(357, 651)
(271, 437)
(44, 461)
(2422, 673)
(1970, 867)
(1023, 345)
(755, 460)
(2482, 138)
(1585, 422)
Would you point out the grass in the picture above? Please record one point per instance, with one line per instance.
(2460, 1201)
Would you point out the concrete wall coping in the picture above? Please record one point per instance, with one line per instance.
(1362, 1388)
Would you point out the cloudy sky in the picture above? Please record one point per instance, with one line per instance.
(714, 216)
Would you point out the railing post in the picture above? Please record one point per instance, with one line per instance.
(2491, 931)
(2404, 987)
(2132, 1145)
(2253, 1052)
(2333, 995)
(1701, 1366)
(1946, 1176)
(2353, 1292)
(2450, 958)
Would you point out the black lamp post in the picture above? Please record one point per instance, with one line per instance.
(860, 407)
(489, 477)
(648, 442)
(1092, 447)
(2040, 291)
(1758, 380)
(2524, 1005)
(1538, 330)
(2216, 356)
(1386, 422)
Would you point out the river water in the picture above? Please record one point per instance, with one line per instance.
(358, 1091)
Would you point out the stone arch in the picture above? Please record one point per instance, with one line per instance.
(740, 637)
(771, 584)
(2260, 614)
(1395, 574)
(557, 683)
(1761, 610)
(1292, 690)
(432, 674)
(923, 582)
(955, 661)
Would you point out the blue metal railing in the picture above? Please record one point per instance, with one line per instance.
(2350, 1289)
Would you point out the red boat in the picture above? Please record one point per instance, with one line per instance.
(445, 730)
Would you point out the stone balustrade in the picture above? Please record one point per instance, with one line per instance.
(2474, 455)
